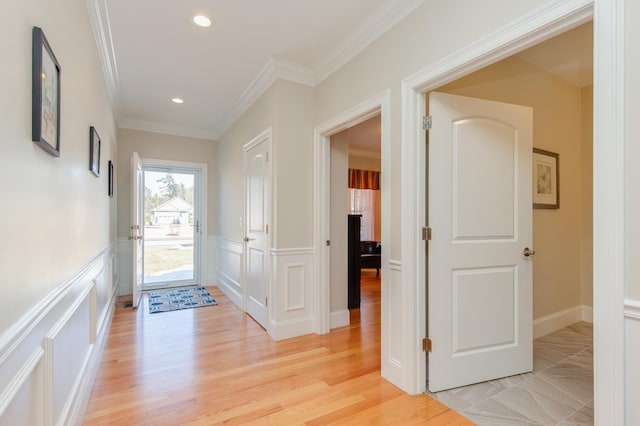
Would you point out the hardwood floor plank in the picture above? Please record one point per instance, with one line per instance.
(215, 365)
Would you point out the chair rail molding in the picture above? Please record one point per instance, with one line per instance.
(48, 359)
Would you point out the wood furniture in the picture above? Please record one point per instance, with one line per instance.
(370, 255)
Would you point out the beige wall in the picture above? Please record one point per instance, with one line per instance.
(56, 215)
(161, 147)
(364, 163)
(558, 235)
(339, 224)
(288, 109)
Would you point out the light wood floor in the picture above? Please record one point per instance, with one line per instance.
(215, 365)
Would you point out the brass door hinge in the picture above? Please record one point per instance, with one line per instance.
(426, 344)
(426, 233)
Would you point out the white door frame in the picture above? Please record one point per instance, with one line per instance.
(608, 179)
(202, 167)
(378, 104)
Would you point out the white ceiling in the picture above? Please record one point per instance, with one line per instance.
(153, 52)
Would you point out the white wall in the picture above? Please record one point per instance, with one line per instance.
(58, 223)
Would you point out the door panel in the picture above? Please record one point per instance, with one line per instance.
(479, 282)
(257, 196)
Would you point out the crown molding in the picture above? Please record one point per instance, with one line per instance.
(361, 38)
(274, 69)
(101, 27)
(164, 129)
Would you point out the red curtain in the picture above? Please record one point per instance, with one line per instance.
(364, 179)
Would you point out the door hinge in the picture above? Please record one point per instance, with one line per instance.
(266, 230)
(426, 122)
(328, 243)
(426, 344)
(266, 301)
(426, 233)
(267, 155)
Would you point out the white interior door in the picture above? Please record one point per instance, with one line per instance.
(480, 209)
(257, 205)
(136, 226)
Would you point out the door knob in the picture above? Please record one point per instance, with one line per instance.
(528, 252)
(247, 239)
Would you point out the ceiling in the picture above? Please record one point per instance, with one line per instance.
(153, 52)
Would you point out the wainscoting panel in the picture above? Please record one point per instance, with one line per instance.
(632, 355)
(290, 304)
(48, 359)
(229, 255)
(293, 291)
(393, 295)
(125, 267)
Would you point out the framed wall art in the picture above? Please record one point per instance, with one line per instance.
(45, 102)
(111, 177)
(546, 179)
(94, 151)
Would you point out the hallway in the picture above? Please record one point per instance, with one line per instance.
(212, 365)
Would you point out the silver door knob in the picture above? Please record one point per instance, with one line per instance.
(247, 239)
(528, 252)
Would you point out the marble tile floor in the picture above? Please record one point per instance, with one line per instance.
(559, 391)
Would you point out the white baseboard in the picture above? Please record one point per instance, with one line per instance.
(280, 330)
(340, 318)
(558, 320)
(230, 292)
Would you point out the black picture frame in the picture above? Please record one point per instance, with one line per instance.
(546, 179)
(94, 151)
(111, 177)
(46, 89)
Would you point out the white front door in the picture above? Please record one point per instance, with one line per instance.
(479, 280)
(257, 207)
(136, 226)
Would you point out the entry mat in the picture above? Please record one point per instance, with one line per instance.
(179, 298)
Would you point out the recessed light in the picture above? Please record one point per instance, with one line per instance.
(202, 21)
(177, 100)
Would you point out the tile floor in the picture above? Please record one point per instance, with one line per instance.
(559, 391)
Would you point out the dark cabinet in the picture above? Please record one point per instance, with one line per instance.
(353, 253)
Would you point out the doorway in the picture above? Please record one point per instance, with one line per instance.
(173, 221)
(561, 98)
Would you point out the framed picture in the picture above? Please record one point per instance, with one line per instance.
(546, 179)
(111, 177)
(45, 102)
(94, 151)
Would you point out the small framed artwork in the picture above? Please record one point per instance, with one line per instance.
(546, 179)
(45, 101)
(94, 151)
(111, 177)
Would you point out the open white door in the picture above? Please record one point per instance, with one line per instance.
(480, 269)
(257, 205)
(136, 226)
